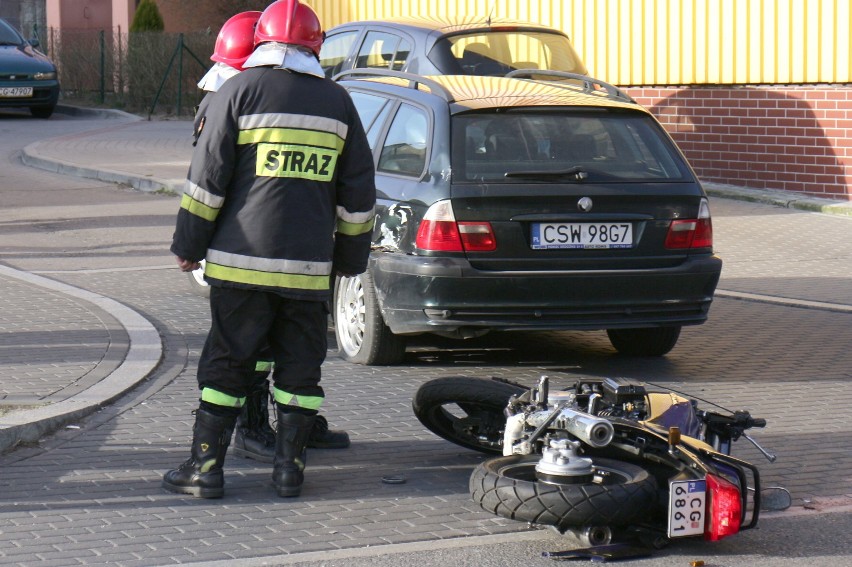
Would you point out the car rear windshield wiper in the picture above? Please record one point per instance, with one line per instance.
(575, 173)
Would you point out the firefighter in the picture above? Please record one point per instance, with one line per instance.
(279, 198)
(253, 436)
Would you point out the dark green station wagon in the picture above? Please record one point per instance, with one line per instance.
(515, 203)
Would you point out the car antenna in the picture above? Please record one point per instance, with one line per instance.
(488, 21)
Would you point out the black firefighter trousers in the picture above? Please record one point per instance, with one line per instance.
(246, 321)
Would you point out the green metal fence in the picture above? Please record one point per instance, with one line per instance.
(151, 72)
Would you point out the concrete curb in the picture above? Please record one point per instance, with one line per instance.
(143, 356)
(95, 112)
(780, 198)
(31, 157)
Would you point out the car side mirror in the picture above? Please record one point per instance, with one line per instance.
(34, 42)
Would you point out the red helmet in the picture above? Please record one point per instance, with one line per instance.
(290, 21)
(235, 41)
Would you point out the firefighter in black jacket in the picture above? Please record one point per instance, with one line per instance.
(280, 196)
(253, 436)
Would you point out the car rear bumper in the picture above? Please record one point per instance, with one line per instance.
(424, 295)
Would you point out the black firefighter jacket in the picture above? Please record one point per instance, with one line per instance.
(280, 188)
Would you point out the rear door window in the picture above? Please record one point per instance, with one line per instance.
(404, 150)
(381, 50)
(373, 111)
(335, 50)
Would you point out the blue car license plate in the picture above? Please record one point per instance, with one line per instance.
(14, 92)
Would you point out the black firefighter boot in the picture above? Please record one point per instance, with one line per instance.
(202, 474)
(290, 440)
(324, 438)
(254, 438)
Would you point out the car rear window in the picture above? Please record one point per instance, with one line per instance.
(499, 52)
(592, 146)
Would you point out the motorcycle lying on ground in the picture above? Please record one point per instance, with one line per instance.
(606, 460)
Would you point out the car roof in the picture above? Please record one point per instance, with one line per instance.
(470, 92)
(450, 25)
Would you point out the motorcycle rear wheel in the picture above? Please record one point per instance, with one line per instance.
(507, 487)
(466, 411)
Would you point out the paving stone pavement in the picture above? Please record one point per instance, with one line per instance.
(777, 342)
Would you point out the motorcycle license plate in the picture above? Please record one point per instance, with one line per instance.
(687, 503)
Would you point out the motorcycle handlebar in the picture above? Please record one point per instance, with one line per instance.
(746, 421)
(741, 420)
(757, 422)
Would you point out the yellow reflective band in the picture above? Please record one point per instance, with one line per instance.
(202, 195)
(198, 208)
(288, 136)
(282, 265)
(288, 399)
(207, 465)
(263, 366)
(268, 279)
(296, 161)
(218, 398)
(354, 229)
(356, 217)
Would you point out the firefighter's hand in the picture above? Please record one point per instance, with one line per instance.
(187, 265)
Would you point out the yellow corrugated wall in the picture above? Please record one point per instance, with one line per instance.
(666, 42)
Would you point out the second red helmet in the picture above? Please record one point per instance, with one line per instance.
(235, 41)
(290, 21)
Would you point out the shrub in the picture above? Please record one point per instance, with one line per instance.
(147, 18)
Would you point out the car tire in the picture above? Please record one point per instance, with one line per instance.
(362, 335)
(41, 111)
(197, 282)
(654, 341)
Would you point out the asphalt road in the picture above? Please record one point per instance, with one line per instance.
(777, 343)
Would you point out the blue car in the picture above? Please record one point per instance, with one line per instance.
(27, 77)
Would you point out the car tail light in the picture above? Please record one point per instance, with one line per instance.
(725, 509)
(439, 231)
(692, 233)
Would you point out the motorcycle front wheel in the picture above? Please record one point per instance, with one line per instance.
(466, 411)
(620, 493)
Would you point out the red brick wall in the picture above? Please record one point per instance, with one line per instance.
(793, 138)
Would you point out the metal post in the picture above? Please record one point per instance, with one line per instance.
(165, 76)
(103, 66)
(180, 74)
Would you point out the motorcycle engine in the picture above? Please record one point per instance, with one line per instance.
(614, 397)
